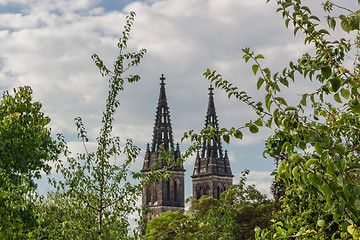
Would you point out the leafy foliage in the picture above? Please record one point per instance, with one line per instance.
(164, 226)
(318, 138)
(96, 194)
(26, 147)
(235, 216)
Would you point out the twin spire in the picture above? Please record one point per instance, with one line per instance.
(162, 129)
(162, 135)
(212, 174)
(212, 161)
(163, 195)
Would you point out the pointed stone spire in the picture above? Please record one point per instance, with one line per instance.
(212, 169)
(162, 129)
(212, 147)
(163, 196)
(211, 118)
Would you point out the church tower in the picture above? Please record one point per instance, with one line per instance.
(212, 173)
(163, 196)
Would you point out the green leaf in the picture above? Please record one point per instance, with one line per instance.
(303, 100)
(321, 223)
(291, 109)
(287, 22)
(268, 104)
(284, 81)
(259, 122)
(337, 98)
(296, 30)
(314, 17)
(354, 22)
(345, 25)
(318, 148)
(312, 98)
(284, 146)
(253, 129)
(340, 149)
(345, 93)
(259, 56)
(255, 68)
(355, 106)
(326, 72)
(324, 31)
(238, 134)
(226, 138)
(339, 209)
(314, 179)
(259, 83)
(335, 84)
(310, 162)
(352, 189)
(295, 171)
(281, 101)
(326, 189)
(331, 22)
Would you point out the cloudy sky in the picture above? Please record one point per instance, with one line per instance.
(48, 44)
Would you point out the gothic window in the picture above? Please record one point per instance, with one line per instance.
(206, 189)
(155, 194)
(148, 195)
(218, 191)
(176, 189)
(168, 191)
(198, 191)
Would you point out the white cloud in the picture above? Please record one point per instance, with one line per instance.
(261, 179)
(48, 44)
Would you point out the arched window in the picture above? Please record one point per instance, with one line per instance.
(148, 195)
(155, 194)
(206, 189)
(198, 190)
(218, 191)
(168, 191)
(176, 189)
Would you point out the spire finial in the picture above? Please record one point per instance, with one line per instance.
(162, 78)
(211, 90)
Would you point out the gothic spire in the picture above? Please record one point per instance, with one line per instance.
(163, 195)
(212, 148)
(162, 129)
(211, 118)
(212, 160)
(212, 173)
